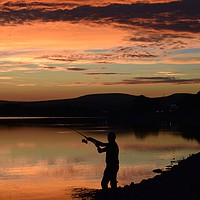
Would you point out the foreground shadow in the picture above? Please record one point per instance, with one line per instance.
(84, 193)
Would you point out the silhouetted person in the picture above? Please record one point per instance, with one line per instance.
(112, 160)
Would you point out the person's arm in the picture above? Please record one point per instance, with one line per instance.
(101, 146)
(96, 142)
(101, 150)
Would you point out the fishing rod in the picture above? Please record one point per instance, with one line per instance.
(83, 140)
(86, 138)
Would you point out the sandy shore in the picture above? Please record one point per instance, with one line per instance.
(181, 182)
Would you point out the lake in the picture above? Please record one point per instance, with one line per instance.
(48, 161)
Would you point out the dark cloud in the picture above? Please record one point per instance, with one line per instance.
(155, 80)
(76, 69)
(55, 68)
(11, 6)
(178, 15)
(70, 58)
(106, 73)
(159, 37)
(130, 52)
(49, 68)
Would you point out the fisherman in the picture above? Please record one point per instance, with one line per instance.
(112, 161)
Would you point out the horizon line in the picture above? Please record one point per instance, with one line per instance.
(103, 93)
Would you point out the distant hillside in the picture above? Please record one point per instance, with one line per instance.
(107, 99)
(103, 105)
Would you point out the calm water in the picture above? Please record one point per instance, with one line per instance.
(47, 162)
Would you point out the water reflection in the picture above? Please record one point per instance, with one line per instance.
(45, 162)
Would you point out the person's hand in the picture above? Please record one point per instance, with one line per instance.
(96, 144)
(90, 139)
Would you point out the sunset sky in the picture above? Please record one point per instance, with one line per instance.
(56, 49)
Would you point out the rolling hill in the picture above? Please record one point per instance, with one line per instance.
(102, 105)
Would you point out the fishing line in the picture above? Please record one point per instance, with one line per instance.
(83, 140)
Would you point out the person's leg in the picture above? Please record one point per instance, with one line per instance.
(106, 178)
(113, 178)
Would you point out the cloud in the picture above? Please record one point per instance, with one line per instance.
(160, 37)
(26, 85)
(58, 68)
(18, 84)
(178, 15)
(133, 81)
(5, 83)
(106, 73)
(63, 4)
(5, 78)
(11, 69)
(170, 73)
(47, 6)
(148, 40)
(72, 84)
(154, 80)
(120, 54)
(183, 61)
(76, 69)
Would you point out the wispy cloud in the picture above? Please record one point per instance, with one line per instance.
(11, 69)
(154, 80)
(18, 84)
(5, 77)
(162, 39)
(71, 84)
(170, 73)
(76, 69)
(5, 83)
(132, 81)
(121, 54)
(106, 73)
(58, 68)
(26, 85)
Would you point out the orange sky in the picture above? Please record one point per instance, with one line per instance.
(82, 53)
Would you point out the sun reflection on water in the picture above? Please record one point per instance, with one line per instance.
(41, 162)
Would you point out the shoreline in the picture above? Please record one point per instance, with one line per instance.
(181, 182)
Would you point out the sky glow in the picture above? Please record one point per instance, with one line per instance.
(64, 49)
